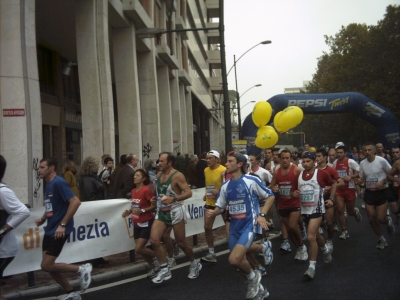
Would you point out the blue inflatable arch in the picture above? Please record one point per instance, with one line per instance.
(385, 122)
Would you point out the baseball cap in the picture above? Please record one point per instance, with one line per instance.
(240, 158)
(213, 152)
(310, 155)
(339, 144)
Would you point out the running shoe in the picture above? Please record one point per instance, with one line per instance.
(310, 273)
(358, 215)
(344, 235)
(390, 226)
(267, 253)
(71, 296)
(321, 230)
(212, 258)
(285, 246)
(194, 271)
(152, 273)
(163, 274)
(85, 277)
(388, 212)
(262, 294)
(304, 233)
(301, 255)
(363, 205)
(382, 243)
(156, 264)
(253, 286)
(335, 227)
(329, 243)
(176, 249)
(327, 255)
(171, 262)
(262, 270)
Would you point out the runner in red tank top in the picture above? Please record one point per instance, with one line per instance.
(288, 206)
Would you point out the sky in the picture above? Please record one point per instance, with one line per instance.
(296, 29)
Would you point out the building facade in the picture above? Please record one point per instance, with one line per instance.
(76, 79)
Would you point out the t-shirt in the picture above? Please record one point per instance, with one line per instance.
(241, 195)
(141, 199)
(17, 213)
(344, 168)
(58, 192)
(374, 172)
(213, 181)
(264, 175)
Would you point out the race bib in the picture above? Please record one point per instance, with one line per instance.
(342, 173)
(307, 198)
(209, 191)
(370, 183)
(284, 190)
(237, 211)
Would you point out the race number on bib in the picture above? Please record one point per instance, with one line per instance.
(342, 173)
(237, 211)
(284, 190)
(307, 198)
(370, 183)
(209, 191)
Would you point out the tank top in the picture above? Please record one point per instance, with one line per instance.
(165, 188)
(311, 195)
(285, 200)
(342, 167)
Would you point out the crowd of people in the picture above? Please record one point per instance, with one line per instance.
(311, 189)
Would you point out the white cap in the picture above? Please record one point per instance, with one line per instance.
(213, 152)
(339, 144)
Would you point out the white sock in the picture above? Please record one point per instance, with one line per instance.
(251, 276)
(194, 263)
(261, 288)
(312, 264)
(211, 250)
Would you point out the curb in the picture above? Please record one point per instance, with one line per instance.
(98, 278)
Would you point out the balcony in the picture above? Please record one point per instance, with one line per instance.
(184, 77)
(212, 8)
(215, 85)
(135, 11)
(180, 25)
(164, 52)
(213, 35)
(214, 59)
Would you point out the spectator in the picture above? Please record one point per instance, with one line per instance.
(122, 163)
(69, 176)
(124, 181)
(192, 175)
(105, 175)
(201, 165)
(150, 167)
(91, 187)
(12, 214)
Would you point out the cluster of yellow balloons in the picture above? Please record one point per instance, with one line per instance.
(284, 120)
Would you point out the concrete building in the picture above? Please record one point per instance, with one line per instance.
(297, 90)
(76, 80)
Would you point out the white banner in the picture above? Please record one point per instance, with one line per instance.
(99, 230)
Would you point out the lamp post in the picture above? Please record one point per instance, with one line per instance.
(304, 139)
(237, 93)
(238, 105)
(252, 101)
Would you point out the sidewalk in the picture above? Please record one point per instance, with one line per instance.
(118, 266)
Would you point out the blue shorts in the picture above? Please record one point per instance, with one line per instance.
(245, 238)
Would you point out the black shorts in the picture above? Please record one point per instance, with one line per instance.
(307, 218)
(4, 262)
(286, 212)
(376, 198)
(393, 195)
(53, 246)
(209, 207)
(142, 232)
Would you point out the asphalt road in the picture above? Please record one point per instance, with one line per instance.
(358, 271)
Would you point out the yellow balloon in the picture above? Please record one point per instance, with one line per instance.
(266, 137)
(261, 114)
(280, 126)
(291, 116)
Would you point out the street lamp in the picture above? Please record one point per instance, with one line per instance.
(237, 93)
(252, 101)
(304, 140)
(238, 105)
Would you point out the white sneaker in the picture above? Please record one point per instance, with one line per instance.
(262, 294)
(344, 235)
(71, 296)
(382, 243)
(85, 277)
(253, 286)
(194, 272)
(327, 255)
(164, 274)
(301, 254)
(390, 227)
(268, 255)
(171, 262)
(212, 258)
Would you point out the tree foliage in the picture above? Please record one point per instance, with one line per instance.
(364, 59)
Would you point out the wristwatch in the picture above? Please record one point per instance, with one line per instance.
(63, 225)
(3, 230)
(142, 210)
(330, 198)
(262, 215)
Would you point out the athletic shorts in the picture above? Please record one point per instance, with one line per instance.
(347, 194)
(393, 196)
(376, 198)
(245, 238)
(209, 207)
(4, 262)
(142, 232)
(307, 218)
(171, 217)
(286, 212)
(53, 246)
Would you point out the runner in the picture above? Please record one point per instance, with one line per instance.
(393, 176)
(172, 189)
(288, 206)
(331, 157)
(329, 211)
(309, 187)
(213, 174)
(347, 169)
(373, 171)
(241, 194)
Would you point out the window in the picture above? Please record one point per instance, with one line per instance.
(46, 74)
